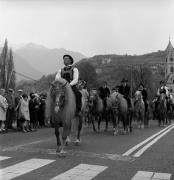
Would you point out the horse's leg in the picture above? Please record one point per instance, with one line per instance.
(58, 138)
(107, 116)
(93, 122)
(79, 129)
(130, 120)
(99, 121)
(143, 119)
(65, 134)
(123, 117)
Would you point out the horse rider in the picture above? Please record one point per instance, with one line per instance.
(71, 74)
(143, 91)
(163, 89)
(104, 92)
(83, 89)
(124, 89)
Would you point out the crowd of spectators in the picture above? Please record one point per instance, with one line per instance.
(20, 111)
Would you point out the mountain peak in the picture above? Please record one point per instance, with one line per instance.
(34, 46)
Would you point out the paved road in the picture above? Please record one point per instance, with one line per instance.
(101, 156)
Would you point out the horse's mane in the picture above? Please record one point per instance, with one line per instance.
(116, 95)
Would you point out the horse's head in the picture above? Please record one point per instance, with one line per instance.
(93, 95)
(57, 93)
(115, 98)
(138, 96)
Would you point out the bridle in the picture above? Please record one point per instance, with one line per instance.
(58, 89)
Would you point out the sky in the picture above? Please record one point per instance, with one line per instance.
(89, 26)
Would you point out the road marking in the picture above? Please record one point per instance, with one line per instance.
(142, 150)
(26, 144)
(75, 153)
(145, 175)
(3, 158)
(130, 151)
(81, 172)
(22, 168)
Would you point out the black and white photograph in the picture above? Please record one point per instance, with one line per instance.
(86, 89)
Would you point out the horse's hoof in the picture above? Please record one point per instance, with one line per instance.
(77, 142)
(58, 150)
(67, 142)
(115, 133)
(61, 155)
(105, 130)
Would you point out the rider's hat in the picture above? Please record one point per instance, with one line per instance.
(162, 82)
(20, 90)
(10, 90)
(141, 84)
(124, 80)
(67, 55)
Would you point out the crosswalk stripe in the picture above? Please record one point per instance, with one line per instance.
(81, 172)
(151, 176)
(23, 168)
(3, 158)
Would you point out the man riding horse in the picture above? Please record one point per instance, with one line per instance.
(163, 89)
(71, 74)
(104, 93)
(124, 89)
(144, 95)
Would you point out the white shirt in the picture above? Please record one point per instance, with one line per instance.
(75, 76)
(166, 88)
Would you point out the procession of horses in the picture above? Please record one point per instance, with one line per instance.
(61, 110)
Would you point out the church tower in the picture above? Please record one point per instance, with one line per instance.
(169, 70)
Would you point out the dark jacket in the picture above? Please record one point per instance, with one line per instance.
(104, 92)
(124, 90)
(144, 94)
(67, 73)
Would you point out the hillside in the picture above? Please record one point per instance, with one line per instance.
(110, 60)
(44, 59)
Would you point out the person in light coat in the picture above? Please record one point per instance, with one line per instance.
(25, 115)
(3, 110)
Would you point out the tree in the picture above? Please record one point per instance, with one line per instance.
(11, 77)
(4, 55)
(87, 72)
(7, 68)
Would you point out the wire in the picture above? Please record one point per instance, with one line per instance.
(23, 75)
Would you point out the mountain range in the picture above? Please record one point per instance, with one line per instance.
(36, 60)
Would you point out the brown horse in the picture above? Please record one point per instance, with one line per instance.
(139, 109)
(96, 108)
(61, 108)
(122, 110)
(85, 105)
(161, 109)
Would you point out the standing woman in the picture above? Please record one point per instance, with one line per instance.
(3, 110)
(25, 115)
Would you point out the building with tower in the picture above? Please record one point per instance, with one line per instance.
(169, 70)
